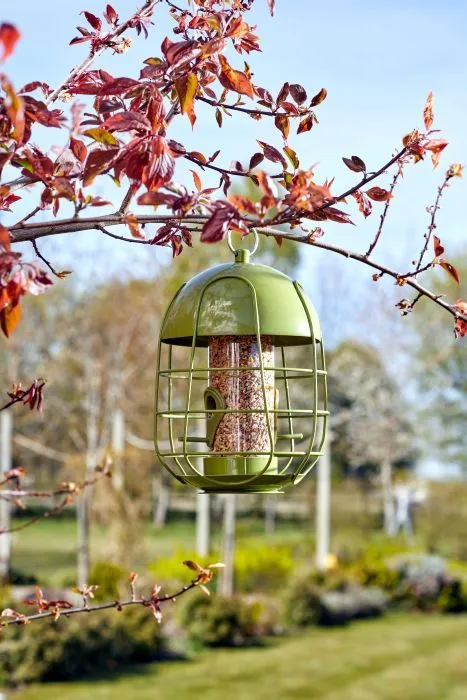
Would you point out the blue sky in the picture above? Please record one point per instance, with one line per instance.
(378, 61)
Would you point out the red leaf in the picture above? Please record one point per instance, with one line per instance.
(30, 87)
(78, 149)
(111, 15)
(378, 194)
(9, 318)
(319, 97)
(9, 35)
(268, 186)
(460, 329)
(255, 160)
(234, 79)
(283, 93)
(197, 180)
(428, 111)
(156, 198)
(119, 86)
(450, 269)
(306, 124)
(96, 163)
(94, 21)
(198, 156)
(242, 203)
(5, 238)
(128, 121)
(298, 93)
(217, 226)
(212, 158)
(364, 204)
(438, 248)
(132, 222)
(181, 52)
(272, 154)
(271, 4)
(355, 164)
(436, 146)
(283, 124)
(337, 215)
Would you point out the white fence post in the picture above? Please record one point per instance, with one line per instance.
(323, 505)
(6, 430)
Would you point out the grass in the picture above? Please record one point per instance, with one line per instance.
(409, 657)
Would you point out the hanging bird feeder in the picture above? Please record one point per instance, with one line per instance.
(241, 401)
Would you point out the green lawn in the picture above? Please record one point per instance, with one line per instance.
(397, 658)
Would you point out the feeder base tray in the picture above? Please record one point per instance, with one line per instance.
(268, 483)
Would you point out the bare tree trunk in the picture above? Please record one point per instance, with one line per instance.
(83, 509)
(203, 524)
(118, 447)
(388, 497)
(323, 505)
(6, 429)
(161, 500)
(226, 587)
(269, 514)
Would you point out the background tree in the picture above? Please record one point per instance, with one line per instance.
(441, 372)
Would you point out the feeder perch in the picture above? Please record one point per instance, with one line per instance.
(241, 402)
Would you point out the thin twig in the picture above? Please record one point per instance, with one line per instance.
(44, 260)
(226, 171)
(116, 604)
(432, 224)
(19, 395)
(71, 492)
(249, 110)
(387, 204)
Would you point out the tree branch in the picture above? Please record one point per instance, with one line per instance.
(249, 110)
(69, 491)
(360, 257)
(144, 11)
(20, 233)
(55, 609)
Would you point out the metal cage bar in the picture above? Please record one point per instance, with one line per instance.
(183, 457)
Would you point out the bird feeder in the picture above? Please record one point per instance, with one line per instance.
(241, 401)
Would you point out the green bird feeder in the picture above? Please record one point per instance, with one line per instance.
(241, 402)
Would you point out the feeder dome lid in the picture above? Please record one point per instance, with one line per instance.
(228, 296)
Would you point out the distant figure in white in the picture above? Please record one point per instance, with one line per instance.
(406, 496)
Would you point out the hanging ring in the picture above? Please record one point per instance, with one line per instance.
(235, 250)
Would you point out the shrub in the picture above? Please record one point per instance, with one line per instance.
(262, 567)
(220, 622)
(76, 647)
(426, 585)
(257, 568)
(170, 569)
(108, 577)
(373, 571)
(315, 598)
(452, 598)
(266, 613)
(18, 577)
